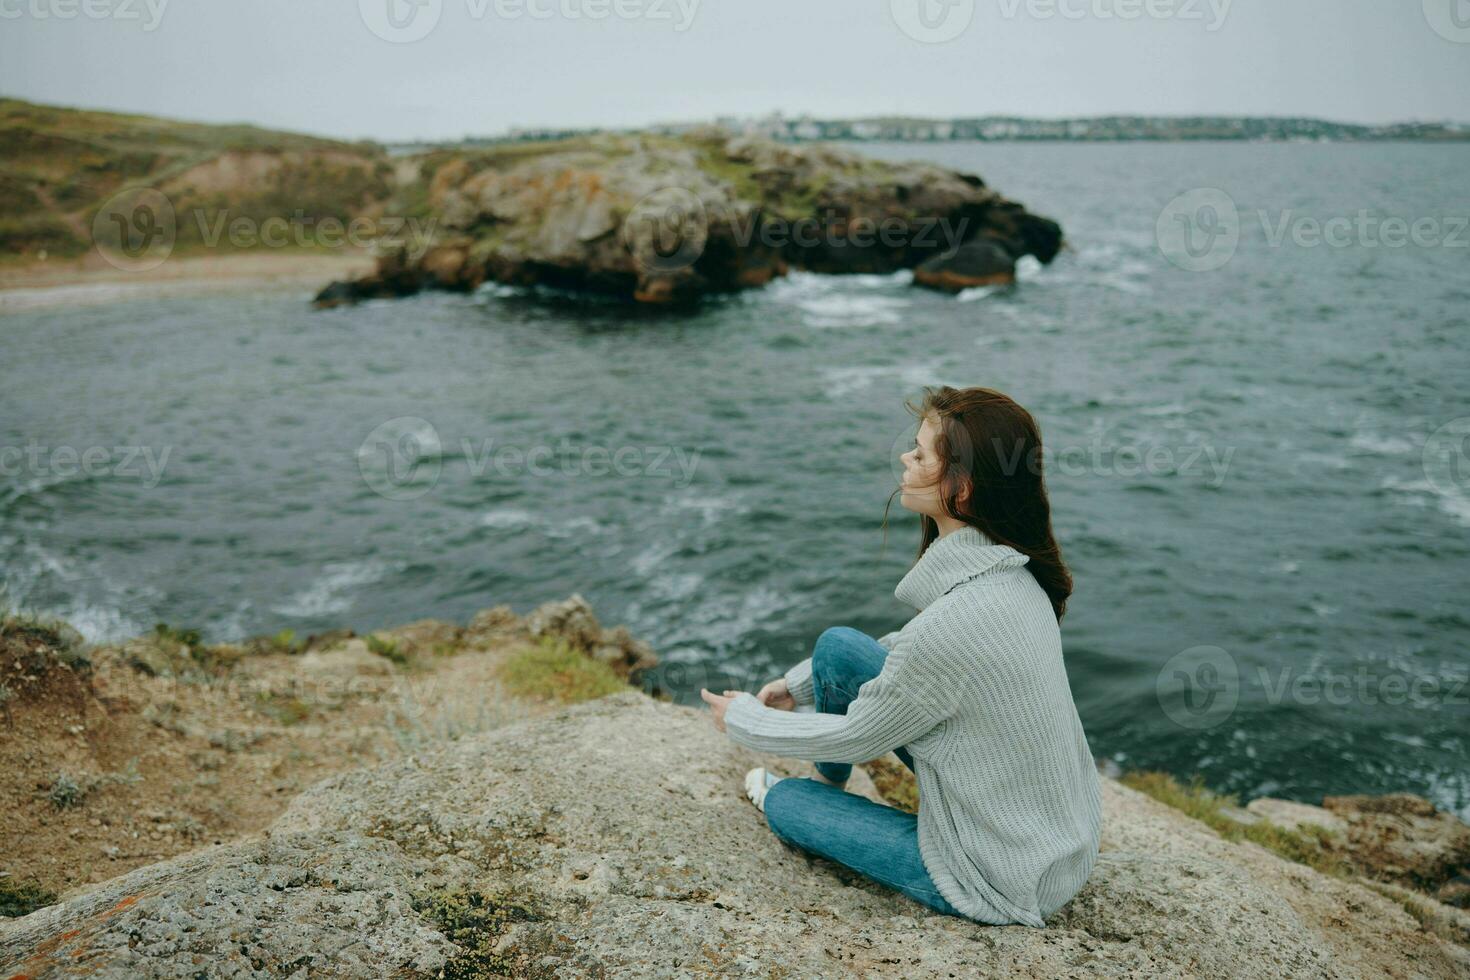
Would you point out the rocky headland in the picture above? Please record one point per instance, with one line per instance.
(517, 796)
(651, 217)
(662, 219)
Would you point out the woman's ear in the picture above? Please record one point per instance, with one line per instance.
(962, 498)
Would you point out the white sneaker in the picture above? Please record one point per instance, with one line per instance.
(757, 782)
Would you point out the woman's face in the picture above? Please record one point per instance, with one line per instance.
(920, 482)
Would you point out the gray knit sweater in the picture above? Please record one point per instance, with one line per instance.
(975, 687)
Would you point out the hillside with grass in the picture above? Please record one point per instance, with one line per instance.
(58, 166)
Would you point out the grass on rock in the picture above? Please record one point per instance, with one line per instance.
(552, 670)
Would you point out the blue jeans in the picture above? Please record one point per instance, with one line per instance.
(877, 841)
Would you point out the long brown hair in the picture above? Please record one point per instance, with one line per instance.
(990, 445)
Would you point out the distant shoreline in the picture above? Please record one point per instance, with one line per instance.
(90, 280)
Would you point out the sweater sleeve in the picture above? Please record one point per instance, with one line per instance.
(907, 698)
(799, 682)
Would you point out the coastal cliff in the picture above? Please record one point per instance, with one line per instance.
(652, 217)
(496, 799)
(663, 219)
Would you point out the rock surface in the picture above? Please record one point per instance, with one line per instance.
(611, 838)
(1404, 839)
(661, 219)
(1293, 815)
(981, 262)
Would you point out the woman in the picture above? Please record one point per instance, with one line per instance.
(972, 693)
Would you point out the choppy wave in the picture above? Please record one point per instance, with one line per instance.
(826, 302)
(843, 381)
(333, 591)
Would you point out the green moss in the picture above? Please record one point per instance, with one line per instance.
(475, 921)
(1306, 845)
(285, 709)
(1417, 910)
(388, 649)
(214, 659)
(553, 670)
(17, 899)
(286, 642)
(175, 635)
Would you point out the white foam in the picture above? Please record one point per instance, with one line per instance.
(852, 311)
(507, 518)
(651, 557)
(711, 508)
(841, 382)
(1172, 408)
(572, 527)
(1421, 493)
(331, 594)
(675, 586)
(1028, 267)
(844, 301)
(1380, 444)
(975, 293)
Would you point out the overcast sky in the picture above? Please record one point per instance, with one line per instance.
(358, 68)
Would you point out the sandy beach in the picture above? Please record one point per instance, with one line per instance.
(91, 280)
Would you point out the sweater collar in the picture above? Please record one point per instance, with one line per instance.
(954, 558)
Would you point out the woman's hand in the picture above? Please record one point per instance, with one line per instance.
(718, 704)
(775, 695)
